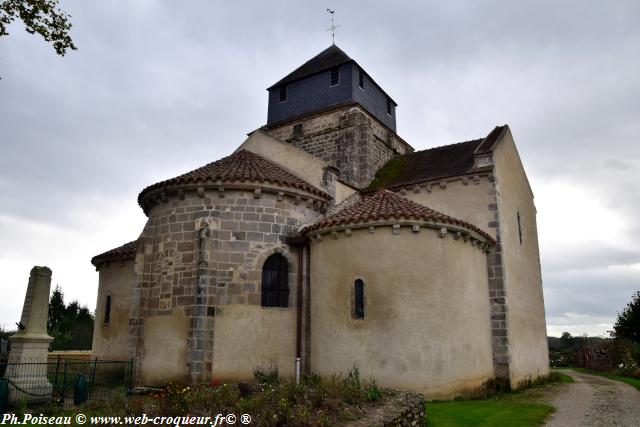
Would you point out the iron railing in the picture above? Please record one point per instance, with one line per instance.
(65, 381)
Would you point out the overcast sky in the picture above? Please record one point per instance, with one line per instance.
(157, 88)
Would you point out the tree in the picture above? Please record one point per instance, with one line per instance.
(71, 326)
(56, 308)
(628, 323)
(39, 16)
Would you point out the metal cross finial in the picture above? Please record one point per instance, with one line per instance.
(332, 28)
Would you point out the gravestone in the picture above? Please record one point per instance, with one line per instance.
(27, 367)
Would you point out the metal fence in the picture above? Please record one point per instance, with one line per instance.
(64, 381)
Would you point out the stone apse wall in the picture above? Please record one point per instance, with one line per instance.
(198, 263)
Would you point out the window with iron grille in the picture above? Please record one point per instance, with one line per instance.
(358, 311)
(275, 282)
(107, 309)
(283, 93)
(361, 80)
(335, 76)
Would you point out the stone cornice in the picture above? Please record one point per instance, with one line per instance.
(30, 338)
(441, 183)
(457, 232)
(218, 189)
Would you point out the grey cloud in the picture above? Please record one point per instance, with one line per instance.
(617, 164)
(588, 257)
(592, 292)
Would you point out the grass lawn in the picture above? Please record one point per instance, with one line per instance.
(565, 378)
(629, 380)
(526, 408)
(494, 412)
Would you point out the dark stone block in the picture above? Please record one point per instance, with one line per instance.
(250, 216)
(239, 235)
(267, 218)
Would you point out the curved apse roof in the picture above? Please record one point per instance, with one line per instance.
(242, 165)
(385, 204)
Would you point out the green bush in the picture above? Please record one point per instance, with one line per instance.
(316, 401)
(372, 392)
(352, 391)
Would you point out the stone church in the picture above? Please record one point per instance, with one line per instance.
(325, 241)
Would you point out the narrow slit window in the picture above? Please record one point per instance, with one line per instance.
(519, 228)
(389, 107)
(275, 282)
(283, 93)
(335, 76)
(358, 312)
(361, 80)
(107, 309)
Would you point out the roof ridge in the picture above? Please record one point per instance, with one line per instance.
(491, 139)
(434, 163)
(330, 57)
(446, 146)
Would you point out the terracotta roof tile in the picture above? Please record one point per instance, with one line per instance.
(385, 204)
(242, 165)
(126, 251)
(434, 163)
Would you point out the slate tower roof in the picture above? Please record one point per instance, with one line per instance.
(331, 57)
(329, 79)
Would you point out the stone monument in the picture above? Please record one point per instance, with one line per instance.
(27, 367)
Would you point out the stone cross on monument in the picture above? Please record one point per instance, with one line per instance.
(27, 368)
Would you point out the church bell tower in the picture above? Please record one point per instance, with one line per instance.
(331, 108)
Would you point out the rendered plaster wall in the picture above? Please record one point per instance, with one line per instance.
(244, 228)
(165, 349)
(110, 339)
(298, 162)
(474, 199)
(250, 336)
(343, 192)
(527, 332)
(427, 318)
(468, 200)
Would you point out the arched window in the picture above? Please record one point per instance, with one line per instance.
(358, 306)
(275, 282)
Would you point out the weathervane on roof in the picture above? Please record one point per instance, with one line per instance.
(333, 27)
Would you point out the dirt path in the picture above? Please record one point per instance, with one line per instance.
(595, 401)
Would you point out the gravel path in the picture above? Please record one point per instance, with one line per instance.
(595, 401)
